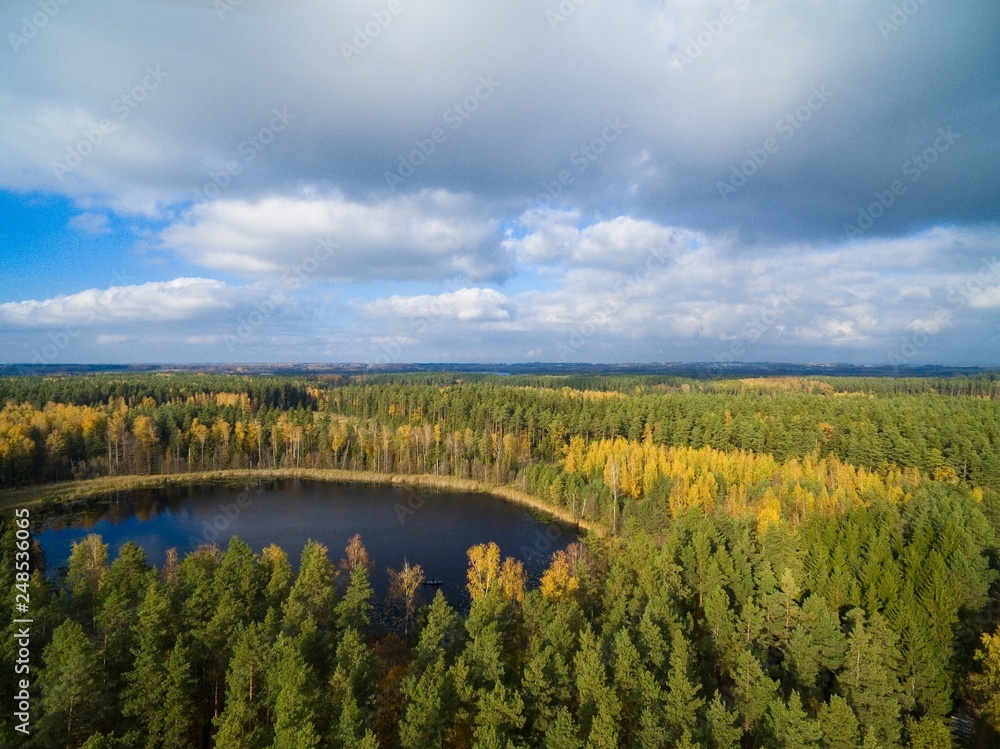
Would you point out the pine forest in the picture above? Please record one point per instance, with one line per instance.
(765, 562)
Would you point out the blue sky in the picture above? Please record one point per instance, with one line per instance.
(638, 181)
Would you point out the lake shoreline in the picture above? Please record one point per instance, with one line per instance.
(72, 491)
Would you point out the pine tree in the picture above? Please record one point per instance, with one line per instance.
(178, 706)
(929, 732)
(816, 647)
(439, 634)
(754, 690)
(243, 723)
(145, 693)
(354, 609)
(682, 700)
(723, 731)
(838, 724)
(563, 733)
(790, 725)
(71, 684)
(591, 679)
(870, 682)
(499, 717)
(423, 722)
(290, 685)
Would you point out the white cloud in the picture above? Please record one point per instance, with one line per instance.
(432, 234)
(987, 298)
(90, 223)
(463, 305)
(154, 302)
(622, 243)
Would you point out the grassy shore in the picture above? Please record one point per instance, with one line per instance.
(69, 491)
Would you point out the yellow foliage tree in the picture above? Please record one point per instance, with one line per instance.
(558, 582)
(484, 569)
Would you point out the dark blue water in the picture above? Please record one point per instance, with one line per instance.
(432, 529)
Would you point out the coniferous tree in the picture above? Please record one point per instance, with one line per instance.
(145, 693)
(243, 724)
(178, 706)
(71, 686)
(723, 729)
(838, 724)
(422, 726)
(293, 696)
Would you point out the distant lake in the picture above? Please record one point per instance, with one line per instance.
(425, 527)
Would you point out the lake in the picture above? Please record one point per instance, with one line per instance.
(426, 527)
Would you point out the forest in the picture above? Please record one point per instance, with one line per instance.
(782, 562)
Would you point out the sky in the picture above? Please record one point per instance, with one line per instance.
(224, 181)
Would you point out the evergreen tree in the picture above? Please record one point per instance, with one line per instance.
(563, 733)
(354, 609)
(423, 722)
(145, 693)
(790, 725)
(71, 684)
(723, 731)
(838, 724)
(869, 682)
(682, 700)
(439, 635)
(243, 724)
(293, 695)
(178, 706)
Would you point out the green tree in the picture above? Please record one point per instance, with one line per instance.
(243, 724)
(838, 724)
(754, 690)
(178, 706)
(869, 682)
(145, 692)
(791, 727)
(682, 701)
(929, 732)
(290, 685)
(723, 729)
(423, 723)
(563, 733)
(71, 686)
(354, 609)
